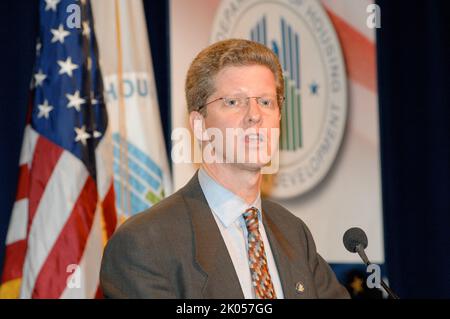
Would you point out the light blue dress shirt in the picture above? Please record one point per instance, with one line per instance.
(227, 210)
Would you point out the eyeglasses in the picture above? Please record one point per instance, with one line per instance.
(233, 102)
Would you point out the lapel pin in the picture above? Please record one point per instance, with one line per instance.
(299, 287)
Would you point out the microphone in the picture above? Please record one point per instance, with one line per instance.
(355, 241)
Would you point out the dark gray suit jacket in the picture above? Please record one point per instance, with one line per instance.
(175, 250)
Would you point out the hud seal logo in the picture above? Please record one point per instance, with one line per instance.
(314, 114)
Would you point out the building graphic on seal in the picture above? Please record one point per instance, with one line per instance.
(289, 55)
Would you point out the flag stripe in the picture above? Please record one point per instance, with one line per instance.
(26, 155)
(109, 211)
(22, 186)
(89, 263)
(69, 246)
(67, 181)
(105, 182)
(16, 244)
(14, 257)
(18, 222)
(45, 158)
(29, 143)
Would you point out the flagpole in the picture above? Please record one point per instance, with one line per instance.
(125, 205)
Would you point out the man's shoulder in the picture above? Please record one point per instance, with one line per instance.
(278, 212)
(169, 214)
(284, 220)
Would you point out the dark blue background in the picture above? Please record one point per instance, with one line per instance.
(413, 48)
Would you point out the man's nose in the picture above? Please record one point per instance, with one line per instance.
(254, 111)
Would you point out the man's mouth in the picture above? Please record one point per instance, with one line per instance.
(254, 138)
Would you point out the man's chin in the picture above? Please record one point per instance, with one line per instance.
(251, 166)
(249, 162)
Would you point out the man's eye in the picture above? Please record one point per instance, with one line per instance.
(231, 102)
(265, 102)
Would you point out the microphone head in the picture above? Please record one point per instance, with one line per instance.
(353, 237)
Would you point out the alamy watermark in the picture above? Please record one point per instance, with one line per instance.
(74, 19)
(74, 279)
(374, 279)
(374, 19)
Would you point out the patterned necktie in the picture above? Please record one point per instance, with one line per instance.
(261, 280)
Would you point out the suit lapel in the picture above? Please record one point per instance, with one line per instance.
(285, 258)
(212, 257)
(211, 253)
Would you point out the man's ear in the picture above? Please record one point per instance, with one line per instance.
(197, 123)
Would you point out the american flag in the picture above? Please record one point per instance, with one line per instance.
(64, 209)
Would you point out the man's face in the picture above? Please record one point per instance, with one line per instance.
(253, 123)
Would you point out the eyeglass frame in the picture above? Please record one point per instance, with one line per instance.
(280, 100)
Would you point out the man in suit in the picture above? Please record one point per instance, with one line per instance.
(216, 237)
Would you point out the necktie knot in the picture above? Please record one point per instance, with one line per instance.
(251, 219)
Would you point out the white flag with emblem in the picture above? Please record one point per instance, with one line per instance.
(141, 172)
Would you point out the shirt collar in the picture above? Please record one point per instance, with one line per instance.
(225, 204)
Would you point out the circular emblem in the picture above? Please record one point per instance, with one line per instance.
(314, 114)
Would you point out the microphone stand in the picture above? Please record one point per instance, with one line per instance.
(360, 250)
